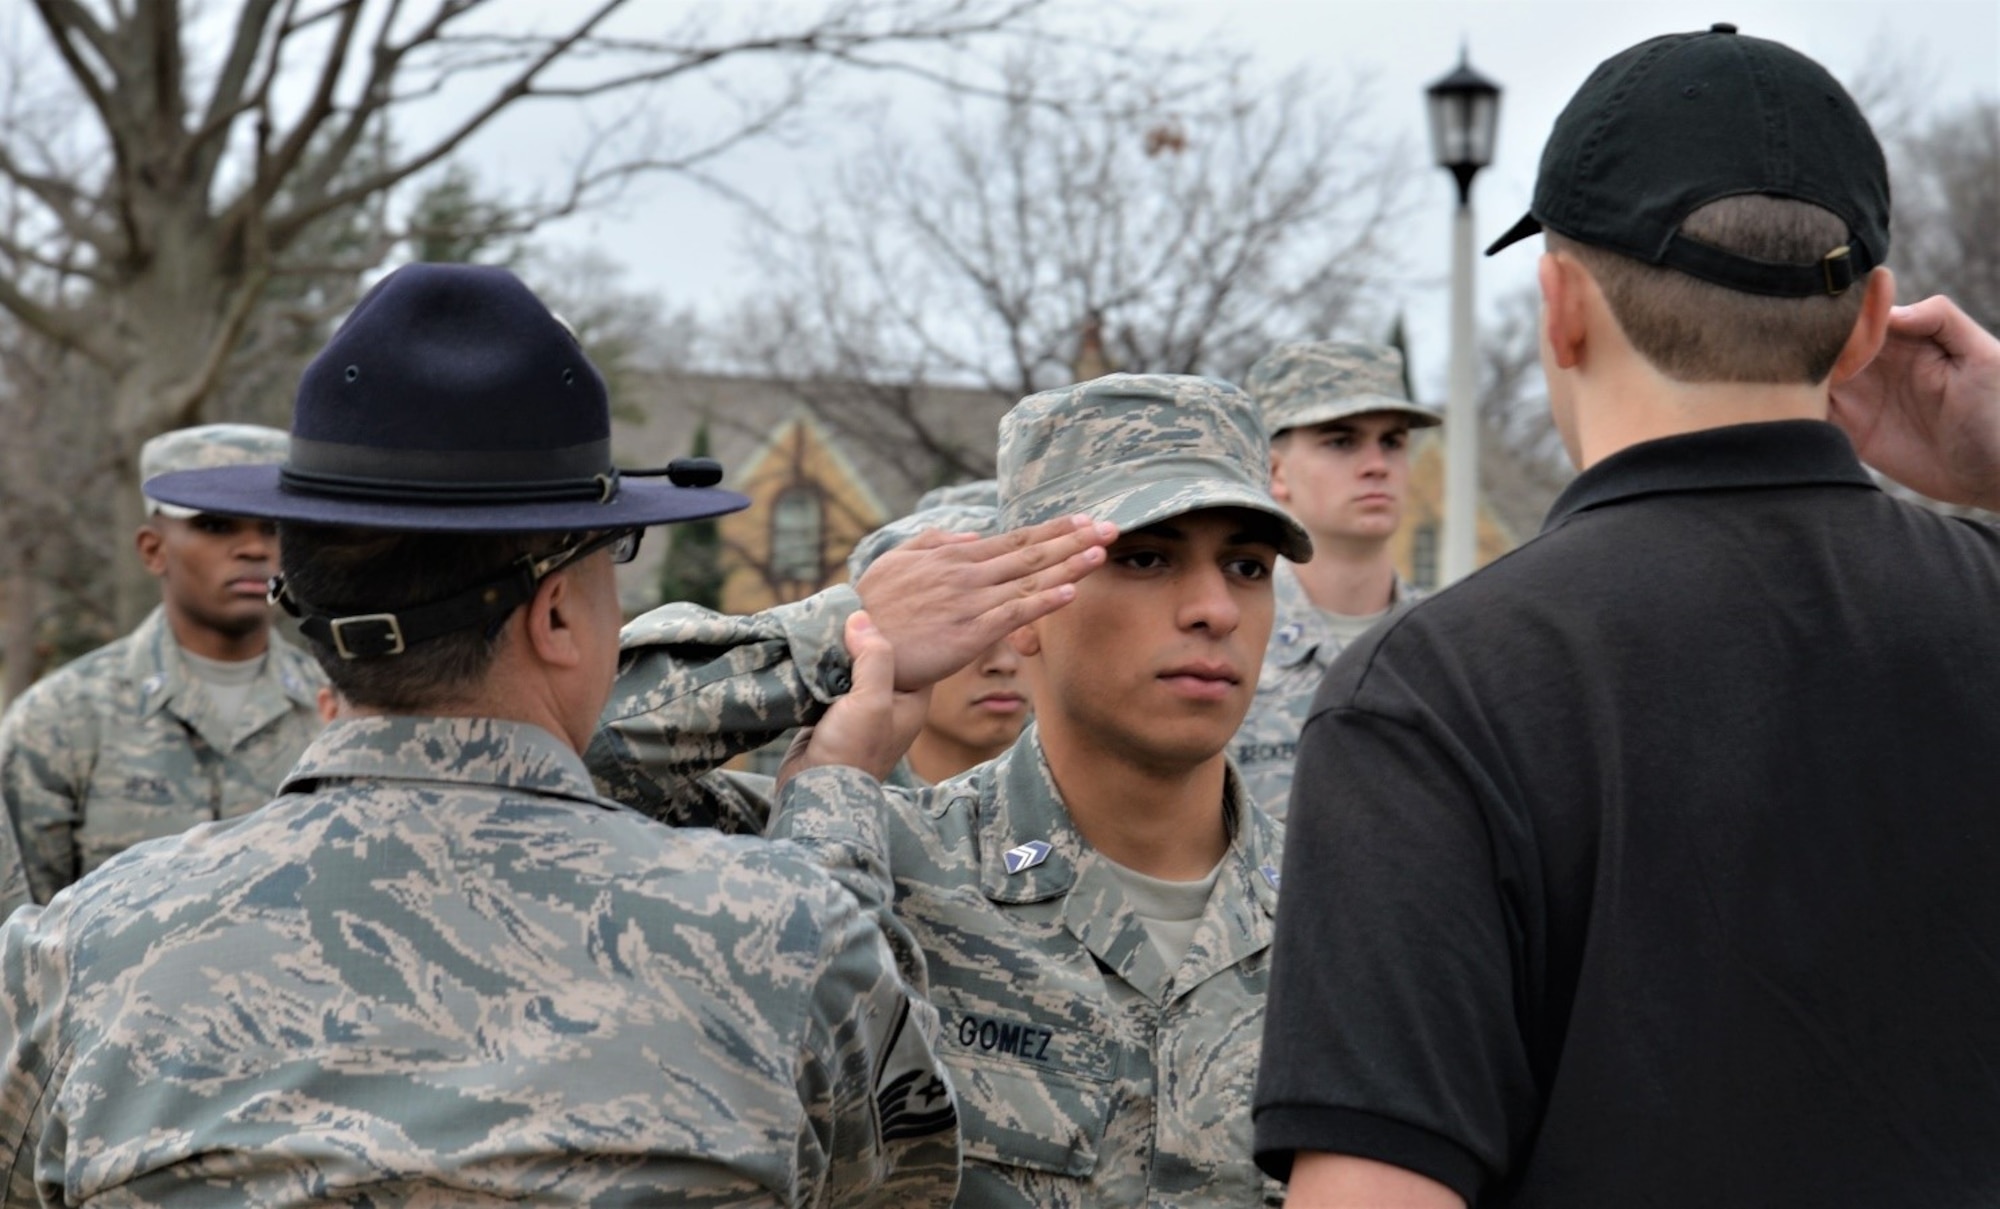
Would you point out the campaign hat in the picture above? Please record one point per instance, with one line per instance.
(452, 400)
(1679, 121)
(1135, 449)
(1317, 381)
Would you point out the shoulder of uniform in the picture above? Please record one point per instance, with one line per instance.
(746, 856)
(89, 675)
(292, 652)
(297, 670)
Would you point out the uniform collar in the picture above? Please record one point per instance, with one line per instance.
(1299, 628)
(1778, 453)
(154, 662)
(487, 752)
(1019, 806)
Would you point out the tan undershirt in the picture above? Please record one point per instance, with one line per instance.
(227, 682)
(1347, 627)
(1169, 911)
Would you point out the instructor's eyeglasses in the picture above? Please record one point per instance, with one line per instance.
(623, 544)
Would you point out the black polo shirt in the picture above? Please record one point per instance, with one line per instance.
(1659, 862)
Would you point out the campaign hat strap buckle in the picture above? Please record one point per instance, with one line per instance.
(387, 640)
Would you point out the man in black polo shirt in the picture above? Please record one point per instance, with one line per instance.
(1656, 864)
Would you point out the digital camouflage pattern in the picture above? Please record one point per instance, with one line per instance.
(979, 493)
(1312, 382)
(1135, 1081)
(982, 519)
(696, 688)
(206, 446)
(124, 744)
(1088, 1072)
(13, 875)
(441, 971)
(1303, 646)
(1138, 448)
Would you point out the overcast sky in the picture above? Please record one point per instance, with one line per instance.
(681, 242)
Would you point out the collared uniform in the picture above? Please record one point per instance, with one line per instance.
(1303, 646)
(1088, 1073)
(124, 745)
(441, 970)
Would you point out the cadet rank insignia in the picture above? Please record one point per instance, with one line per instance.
(1027, 856)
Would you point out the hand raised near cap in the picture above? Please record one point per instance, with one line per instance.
(1926, 410)
(869, 727)
(942, 598)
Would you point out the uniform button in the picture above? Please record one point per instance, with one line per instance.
(839, 682)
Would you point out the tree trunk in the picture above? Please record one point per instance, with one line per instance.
(176, 313)
(18, 628)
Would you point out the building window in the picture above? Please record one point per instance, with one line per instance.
(1424, 557)
(798, 536)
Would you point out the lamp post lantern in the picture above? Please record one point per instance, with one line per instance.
(1465, 113)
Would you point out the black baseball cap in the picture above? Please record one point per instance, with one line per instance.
(1676, 122)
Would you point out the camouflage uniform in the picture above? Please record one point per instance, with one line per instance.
(979, 493)
(441, 970)
(124, 745)
(13, 875)
(1296, 385)
(1088, 1073)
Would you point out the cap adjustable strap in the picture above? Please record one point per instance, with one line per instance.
(375, 635)
(1830, 274)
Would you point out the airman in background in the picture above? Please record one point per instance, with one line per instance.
(1339, 419)
(194, 716)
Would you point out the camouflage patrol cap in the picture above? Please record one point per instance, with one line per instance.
(205, 446)
(1134, 449)
(982, 492)
(1312, 382)
(952, 518)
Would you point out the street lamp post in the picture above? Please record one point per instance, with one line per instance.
(1465, 112)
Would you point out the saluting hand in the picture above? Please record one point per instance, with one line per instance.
(943, 598)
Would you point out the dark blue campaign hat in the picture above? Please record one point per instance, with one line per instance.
(452, 400)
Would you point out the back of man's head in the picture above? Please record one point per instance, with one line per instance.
(346, 571)
(1729, 199)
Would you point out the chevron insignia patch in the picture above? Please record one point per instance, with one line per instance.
(1027, 856)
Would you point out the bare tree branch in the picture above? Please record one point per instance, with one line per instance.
(1191, 238)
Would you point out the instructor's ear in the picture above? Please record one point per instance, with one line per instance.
(551, 621)
(1871, 327)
